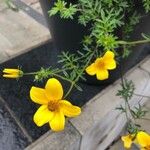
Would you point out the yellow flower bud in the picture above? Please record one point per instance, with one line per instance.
(12, 73)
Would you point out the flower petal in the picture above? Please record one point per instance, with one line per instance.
(91, 70)
(109, 60)
(58, 121)
(143, 139)
(109, 55)
(111, 64)
(38, 95)
(54, 90)
(68, 109)
(102, 74)
(127, 141)
(10, 76)
(7, 70)
(42, 116)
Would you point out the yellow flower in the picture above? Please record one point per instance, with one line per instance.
(53, 109)
(12, 73)
(101, 66)
(143, 140)
(128, 140)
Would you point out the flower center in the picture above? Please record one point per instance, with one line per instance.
(53, 105)
(147, 147)
(101, 65)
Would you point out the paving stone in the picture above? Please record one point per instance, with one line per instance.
(68, 139)
(11, 136)
(95, 109)
(145, 123)
(119, 146)
(3, 54)
(37, 7)
(34, 4)
(29, 2)
(19, 32)
(146, 64)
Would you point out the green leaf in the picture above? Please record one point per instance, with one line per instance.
(145, 36)
(146, 4)
(61, 7)
(78, 87)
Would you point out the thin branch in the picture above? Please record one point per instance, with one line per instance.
(133, 42)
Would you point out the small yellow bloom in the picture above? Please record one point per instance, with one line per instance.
(12, 73)
(143, 140)
(101, 66)
(128, 140)
(53, 109)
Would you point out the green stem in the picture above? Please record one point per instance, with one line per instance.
(50, 73)
(30, 73)
(70, 89)
(128, 108)
(133, 42)
(130, 111)
(126, 112)
(54, 74)
(61, 77)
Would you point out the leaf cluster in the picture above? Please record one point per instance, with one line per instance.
(70, 65)
(127, 90)
(145, 36)
(146, 4)
(133, 128)
(104, 18)
(132, 21)
(138, 112)
(74, 64)
(92, 9)
(61, 7)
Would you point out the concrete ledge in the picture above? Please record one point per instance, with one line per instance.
(99, 124)
(69, 139)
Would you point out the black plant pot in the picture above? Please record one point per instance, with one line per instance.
(68, 34)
